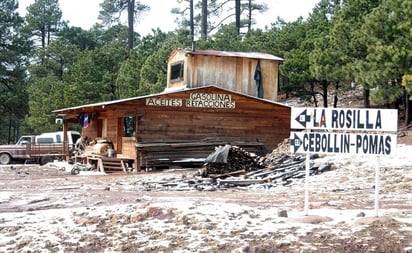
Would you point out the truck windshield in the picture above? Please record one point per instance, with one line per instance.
(24, 140)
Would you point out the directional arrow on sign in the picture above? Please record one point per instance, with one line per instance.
(295, 142)
(303, 118)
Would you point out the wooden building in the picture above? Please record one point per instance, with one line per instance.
(171, 127)
(255, 74)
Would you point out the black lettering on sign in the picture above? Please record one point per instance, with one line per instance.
(356, 119)
(326, 143)
(210, 100)
(164, 102)
(373, 144)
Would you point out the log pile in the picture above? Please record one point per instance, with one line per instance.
(231, 166)
(229, 160)
(279, 170)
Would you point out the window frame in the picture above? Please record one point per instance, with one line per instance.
(177, 75)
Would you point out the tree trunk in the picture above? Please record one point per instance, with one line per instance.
(366, 102)
(335, 98)
(192, 25)
(130, 18)
(237, 8)
(203, 27)
(43, 37)
(408, 109)
(312, 90)
(325, 93)
(249, 26)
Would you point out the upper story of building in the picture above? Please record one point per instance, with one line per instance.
(254, 74)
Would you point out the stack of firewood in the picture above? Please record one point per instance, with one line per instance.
(232, 166)
(230, 160)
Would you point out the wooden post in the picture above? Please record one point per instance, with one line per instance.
(65, 140)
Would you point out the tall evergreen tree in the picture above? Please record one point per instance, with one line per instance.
(213, 14)
(14, 52)
(112, 10)
(389, 51)
(348, 37)
(43, 21)
(47, 83)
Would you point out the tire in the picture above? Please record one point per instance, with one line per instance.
(75, 171)
(46, 159)
(5, 159)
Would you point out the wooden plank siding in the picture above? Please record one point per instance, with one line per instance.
(230, 70)
(164, 120)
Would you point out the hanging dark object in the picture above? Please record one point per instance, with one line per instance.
(258, 79)
(84, 119)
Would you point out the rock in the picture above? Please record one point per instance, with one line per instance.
(137, 217)
(282, 213)
(82, 221)
(24, 241)
(361, 214)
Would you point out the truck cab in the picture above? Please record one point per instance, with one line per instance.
(42, 148)
(26, 139)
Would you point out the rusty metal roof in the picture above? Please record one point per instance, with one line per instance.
(102, 105)
(252, 55)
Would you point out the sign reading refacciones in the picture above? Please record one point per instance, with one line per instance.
(344, 119)
(197, 100)
(343, 143)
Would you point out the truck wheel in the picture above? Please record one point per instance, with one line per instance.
(75, 171)
(5, 158)
(46, 159)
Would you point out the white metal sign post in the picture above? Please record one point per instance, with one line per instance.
(363, 142)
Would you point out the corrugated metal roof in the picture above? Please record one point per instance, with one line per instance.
(87, 107)
(252, 55)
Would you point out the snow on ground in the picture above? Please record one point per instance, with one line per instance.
(113, 213)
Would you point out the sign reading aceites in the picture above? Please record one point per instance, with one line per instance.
(344, 119)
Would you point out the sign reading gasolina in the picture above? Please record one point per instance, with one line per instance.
(327, 119)
(198, 100)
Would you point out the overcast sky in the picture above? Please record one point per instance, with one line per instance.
(83, 13)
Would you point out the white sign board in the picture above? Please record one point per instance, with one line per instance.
(381, 120)
(343, 143)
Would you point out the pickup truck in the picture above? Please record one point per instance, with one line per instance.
(41, 148)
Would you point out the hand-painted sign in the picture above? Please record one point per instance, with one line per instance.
(164, 101)
(208, 100)
(343, 143)
(199, 100)
(344, 119)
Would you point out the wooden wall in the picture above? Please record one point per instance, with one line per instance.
(251, 120)
(202, 115)
(233, 73)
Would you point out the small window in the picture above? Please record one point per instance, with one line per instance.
(176, 71)
(45, 140)
(129, 124)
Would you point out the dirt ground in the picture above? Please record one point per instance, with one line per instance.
(46, 209)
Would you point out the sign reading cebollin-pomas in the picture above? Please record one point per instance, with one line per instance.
(380, 120)
(343, 143)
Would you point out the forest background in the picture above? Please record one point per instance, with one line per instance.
(46, 64)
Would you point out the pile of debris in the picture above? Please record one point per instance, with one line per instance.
(231, 166)
(229, 160)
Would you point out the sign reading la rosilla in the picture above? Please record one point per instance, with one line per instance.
(367, 127)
